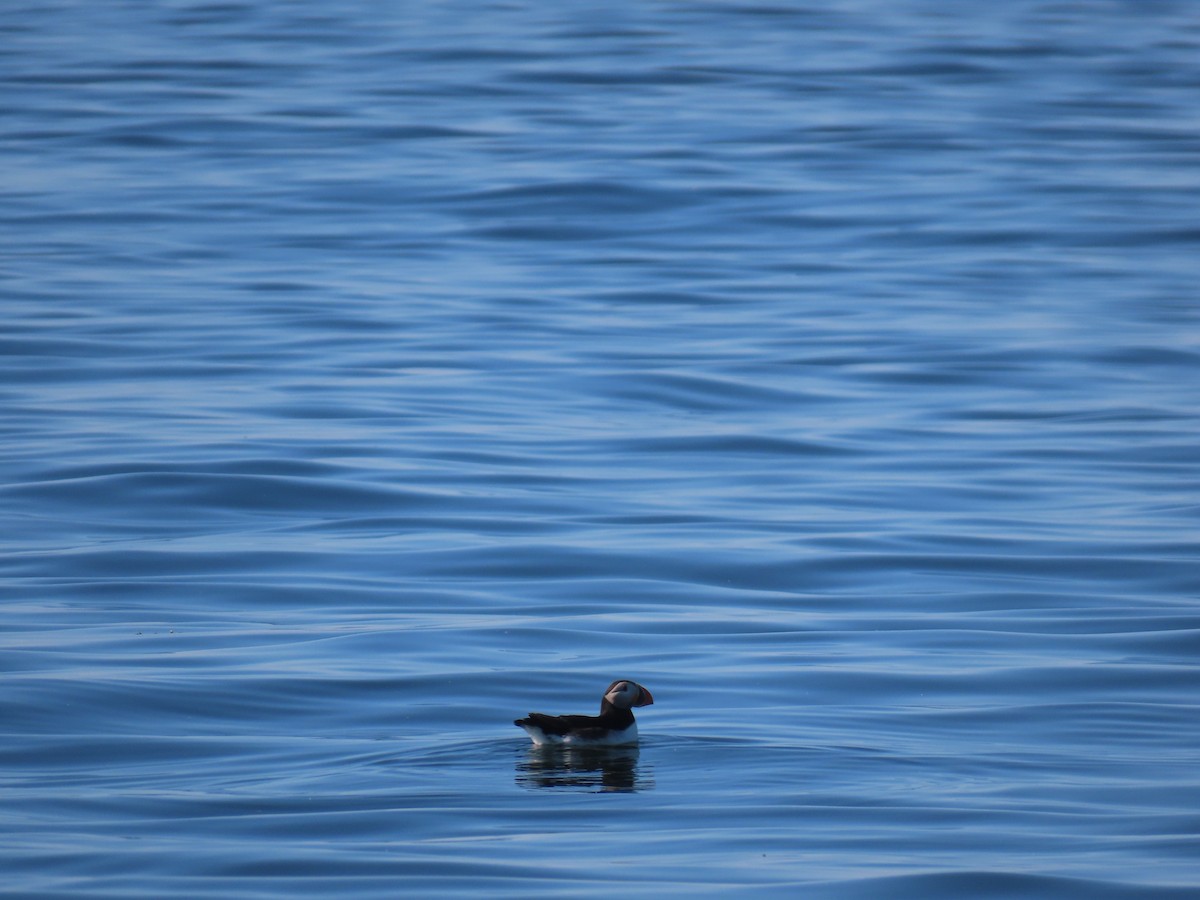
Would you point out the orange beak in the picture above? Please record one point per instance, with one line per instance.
(646, 698)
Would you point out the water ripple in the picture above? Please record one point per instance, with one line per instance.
(372, 375)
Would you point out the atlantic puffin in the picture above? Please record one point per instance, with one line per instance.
(614, 725)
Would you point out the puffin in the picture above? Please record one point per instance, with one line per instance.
(615, 724)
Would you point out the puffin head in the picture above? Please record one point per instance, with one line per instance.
(627, 694)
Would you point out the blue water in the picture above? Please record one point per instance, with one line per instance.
(373, 374)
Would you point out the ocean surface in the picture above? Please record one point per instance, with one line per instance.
(372, 374)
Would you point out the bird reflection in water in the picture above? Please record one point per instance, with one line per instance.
(596, 769)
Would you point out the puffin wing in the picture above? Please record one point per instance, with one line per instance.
(558, 725)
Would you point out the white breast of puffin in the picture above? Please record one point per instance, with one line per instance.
(611, 738)
(628, 736)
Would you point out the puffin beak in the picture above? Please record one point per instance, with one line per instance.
(645, 699)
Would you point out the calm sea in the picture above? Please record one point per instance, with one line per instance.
(373, 373)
